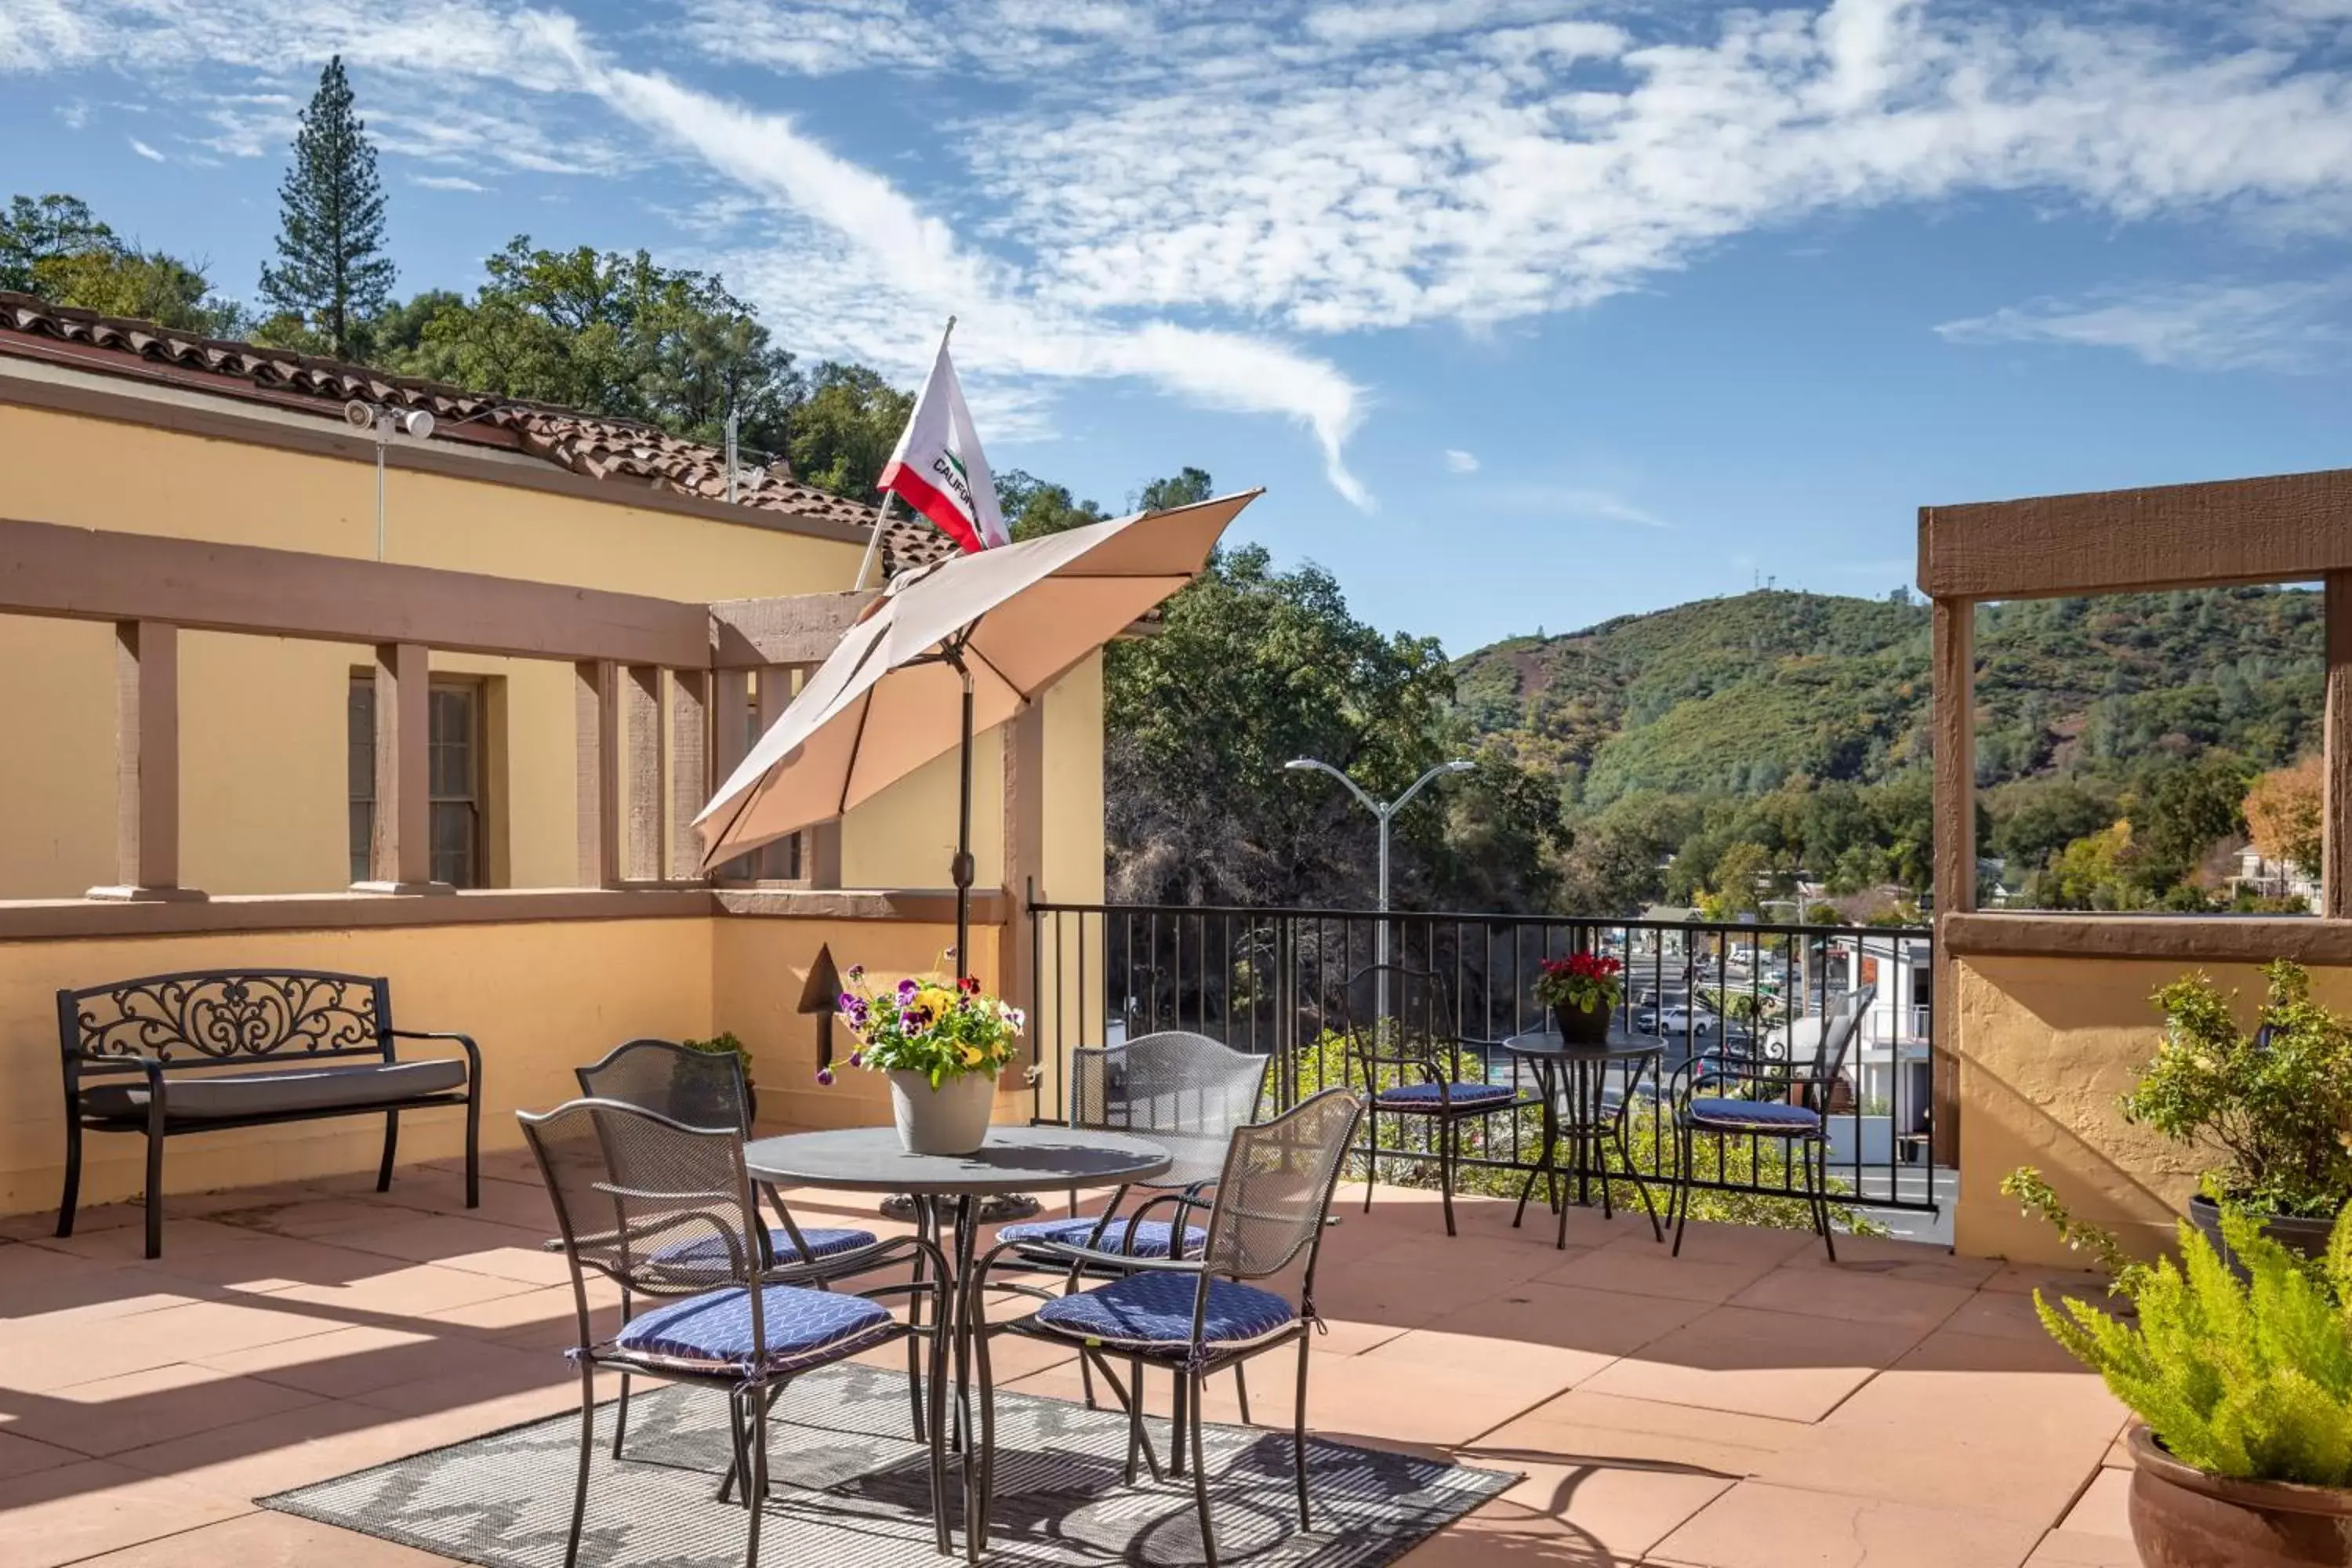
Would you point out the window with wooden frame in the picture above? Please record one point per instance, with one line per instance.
(457, 749)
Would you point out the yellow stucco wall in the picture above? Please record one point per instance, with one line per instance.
(540, 999)
(262, 731)
(2047, 1047)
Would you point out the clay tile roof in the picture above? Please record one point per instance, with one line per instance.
(586, 444)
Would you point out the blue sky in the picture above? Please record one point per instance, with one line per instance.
(1526, 313)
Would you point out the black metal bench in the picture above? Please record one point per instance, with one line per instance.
(211, 1050)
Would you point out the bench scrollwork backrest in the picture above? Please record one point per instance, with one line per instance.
(220, 1018)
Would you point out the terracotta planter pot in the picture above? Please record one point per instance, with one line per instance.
(2183, 1518)
(2304, 1238)
(1582, 1025)
(949, 1120)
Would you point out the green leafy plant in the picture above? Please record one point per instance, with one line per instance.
(2278, 1102)
(725, 1044)
(2250, 1380)
(944, 1029)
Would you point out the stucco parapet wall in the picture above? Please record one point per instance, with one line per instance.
(60, 919)
(2181, 938)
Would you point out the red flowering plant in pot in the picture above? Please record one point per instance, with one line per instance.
(1581, 990)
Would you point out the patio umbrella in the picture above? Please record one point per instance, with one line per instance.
(948, 651)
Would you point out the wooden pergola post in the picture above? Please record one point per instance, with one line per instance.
(1953, 660)
(641, 695)
(2335, 854)
(147, 763)
(400, 838)
(690, 769)
(597, 690)
(1024, 853)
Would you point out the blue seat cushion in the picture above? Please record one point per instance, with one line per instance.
(1154, 1312)
(1151, 1235)
(1754, 1116)
(714, 1329)
(1425, 1096)
(709, 1252)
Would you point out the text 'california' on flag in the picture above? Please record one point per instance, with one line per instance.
(937, 467)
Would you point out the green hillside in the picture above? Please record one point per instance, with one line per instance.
(1774, 695)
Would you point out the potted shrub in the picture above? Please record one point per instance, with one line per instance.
(2243, 1452)
(2277, 1103)
(1581, 990)
(725, 1044)
(944, 1043)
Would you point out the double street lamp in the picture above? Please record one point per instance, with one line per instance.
(1382, 812)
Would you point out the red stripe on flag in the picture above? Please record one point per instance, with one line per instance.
(934, 504)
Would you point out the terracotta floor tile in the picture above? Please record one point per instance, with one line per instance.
(2024, 1280)
(1855, 1296)
(1707, 1241)
(1950, 1349)
(452, 1240)
(269, 1541)
(23, 1455)
(2104, 1509)
(2011, 1314)
(296, 1448)
(1603, 1323)
(493, 1371)
(354, 1361)
(2008, 1445)
(419, 1290)
(188, 1236)
(76, 1512)
(1895, 1259)
(1754, 1525)
(139, 1408)
(1754, 1362)
(1579, 1426)
(209, 1328)
(1605, 1513)
(1645, 1270)
(2065, 1548)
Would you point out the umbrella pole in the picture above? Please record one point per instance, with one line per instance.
(962, 867)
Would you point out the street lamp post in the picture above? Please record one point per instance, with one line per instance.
(1383, 812)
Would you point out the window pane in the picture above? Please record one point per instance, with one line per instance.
(453, 844)
(363, 823)
(359, 727)
(451, 752)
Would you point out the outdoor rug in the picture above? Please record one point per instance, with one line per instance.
(850, 1489)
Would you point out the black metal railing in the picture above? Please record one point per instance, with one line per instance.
(1275, 980)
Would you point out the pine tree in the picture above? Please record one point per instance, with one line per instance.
(332, 267)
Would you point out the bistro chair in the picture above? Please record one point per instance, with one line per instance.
(1400, 1034)
(1198, 1315)
(667, 1211)
(706, 1088)
(1786, 1100)
(1184, 1091)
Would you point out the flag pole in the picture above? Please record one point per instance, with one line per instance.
(882, 516)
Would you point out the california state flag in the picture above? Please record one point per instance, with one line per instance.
(937, 467)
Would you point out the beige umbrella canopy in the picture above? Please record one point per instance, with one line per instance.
(949, 650)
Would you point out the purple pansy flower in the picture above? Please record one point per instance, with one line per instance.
(824, 1077)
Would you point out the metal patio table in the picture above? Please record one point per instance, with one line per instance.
(1590, 1126)
(947, 1190)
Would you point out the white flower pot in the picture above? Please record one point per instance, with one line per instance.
(949, 1120)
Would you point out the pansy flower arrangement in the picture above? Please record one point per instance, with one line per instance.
(943, 1029)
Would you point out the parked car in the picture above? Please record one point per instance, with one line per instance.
(1675, 1021)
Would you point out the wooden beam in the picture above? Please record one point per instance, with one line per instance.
(146, 763)
(597, 689)
(2284, 529)
(730, 738)
(799, 629)
(2335, 841)
(690, 768)
(86, 574)
(1954, 824)
(399, 844)
(642, 696)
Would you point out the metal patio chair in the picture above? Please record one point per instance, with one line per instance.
(1399, 1033)
(1785, 1101)
(1198, 1315)
(706, 1088)
(667, 1212)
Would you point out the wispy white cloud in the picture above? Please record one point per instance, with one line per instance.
(447, 183)
(2299, 327)
(1587, 503)
(1458, 461)
(146, 151)
(74, 114)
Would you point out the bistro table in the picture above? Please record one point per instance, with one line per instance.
(948, 1188)
(1590, 1126)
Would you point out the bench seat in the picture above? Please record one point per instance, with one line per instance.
(279, 1091)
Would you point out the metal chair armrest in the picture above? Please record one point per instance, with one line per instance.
(472, 1052)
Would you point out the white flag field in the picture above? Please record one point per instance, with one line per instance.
(938, 470)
